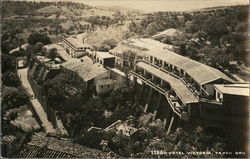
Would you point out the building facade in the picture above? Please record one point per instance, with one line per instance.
(74, 47)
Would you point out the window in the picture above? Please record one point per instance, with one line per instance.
(108, 86)
(101, 87)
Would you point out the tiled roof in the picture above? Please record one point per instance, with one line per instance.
(33, 151)
(76, 42)
(85, 68)
(92, 72)
(50, 147)
(78, 63)
(180, 88)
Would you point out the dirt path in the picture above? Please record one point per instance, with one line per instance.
(48, 127)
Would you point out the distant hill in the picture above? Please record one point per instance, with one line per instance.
(117, 33)
(209, 9)
(52, 9)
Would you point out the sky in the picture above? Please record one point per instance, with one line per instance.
(159, 5)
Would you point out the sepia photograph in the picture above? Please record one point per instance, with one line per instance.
(125, 79)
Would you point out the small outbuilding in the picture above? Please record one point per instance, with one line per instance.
(104, 86)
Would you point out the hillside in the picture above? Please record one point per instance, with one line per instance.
(117, 33)
(52, 9)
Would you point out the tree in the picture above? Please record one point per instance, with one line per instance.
(8, 63)
(13, 100)
(10, 79)
(21, 41)
(187, 17)
(38, 48)
(52, 53)
(152, 28)
(110, 42)
(5, 47)
(183, 141)
(37, 37)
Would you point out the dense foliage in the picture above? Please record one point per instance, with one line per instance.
(204, 36)
(82, 110)
(37, 37)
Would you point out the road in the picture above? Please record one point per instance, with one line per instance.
(48, 127)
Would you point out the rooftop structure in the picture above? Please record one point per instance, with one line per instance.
(85, 68)
(76, 43)
(75, 47)
(76, 63)
(145, 47)
(92, 72)
(50, 64)
(50, 147)
(60, 50)
(22, 61)
(121, 127)
(104, 86)
(242, 89)
(104, 55)
(201, 73)
(105, 82)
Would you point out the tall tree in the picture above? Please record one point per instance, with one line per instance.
(37, 37)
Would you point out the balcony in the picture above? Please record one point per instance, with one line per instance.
(173, 101)
(186, 80)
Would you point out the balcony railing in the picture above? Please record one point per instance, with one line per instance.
(184, 80)
(157, 87)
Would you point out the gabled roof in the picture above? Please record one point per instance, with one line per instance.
(85, 68)
(51, 147)
(180, 88)
(76, 42)
(201, 73)
(76, 63)
(92, 71)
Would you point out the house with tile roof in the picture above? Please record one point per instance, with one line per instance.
(85, 70)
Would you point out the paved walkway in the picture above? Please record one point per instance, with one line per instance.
(48, 127)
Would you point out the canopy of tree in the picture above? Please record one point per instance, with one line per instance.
(37, 37)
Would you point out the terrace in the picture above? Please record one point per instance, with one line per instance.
(177, 94)
(198, 91)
